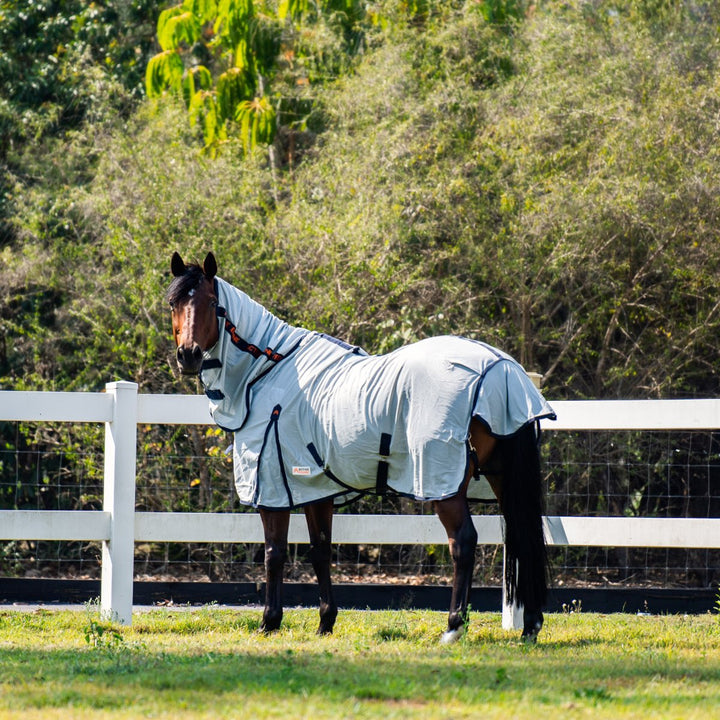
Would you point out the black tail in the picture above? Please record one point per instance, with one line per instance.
(526, 561)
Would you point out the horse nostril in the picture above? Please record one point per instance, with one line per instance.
(189, 359)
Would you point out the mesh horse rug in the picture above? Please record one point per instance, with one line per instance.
(315, 418)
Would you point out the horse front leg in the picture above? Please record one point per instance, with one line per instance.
(275, 526)
(454, 513)
(319, 522)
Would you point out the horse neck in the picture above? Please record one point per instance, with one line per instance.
(255, 323)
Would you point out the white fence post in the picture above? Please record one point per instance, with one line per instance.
(116, 594)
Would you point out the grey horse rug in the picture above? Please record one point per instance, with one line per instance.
(315, 418)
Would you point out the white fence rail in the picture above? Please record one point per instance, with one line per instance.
(118, 526)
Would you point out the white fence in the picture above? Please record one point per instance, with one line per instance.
(118, 526)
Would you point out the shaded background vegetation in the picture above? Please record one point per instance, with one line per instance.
(542, 177)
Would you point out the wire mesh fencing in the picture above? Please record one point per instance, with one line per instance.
(187, 469)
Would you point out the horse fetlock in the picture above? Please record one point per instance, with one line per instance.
(272, 617)
(457, 619)
(328, 615)
(326, 626)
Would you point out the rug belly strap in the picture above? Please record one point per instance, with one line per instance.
(381, 485)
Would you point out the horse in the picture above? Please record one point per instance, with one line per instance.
(312, 428)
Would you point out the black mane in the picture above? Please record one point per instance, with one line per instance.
(182, 285)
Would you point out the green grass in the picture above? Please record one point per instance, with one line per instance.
(213, 663)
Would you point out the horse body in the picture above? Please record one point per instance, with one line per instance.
(318, 421)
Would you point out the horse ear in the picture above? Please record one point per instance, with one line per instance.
(210, 266)
(177, 265)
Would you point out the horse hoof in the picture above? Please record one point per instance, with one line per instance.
(533, 626)
(452, 636)
(530, 635)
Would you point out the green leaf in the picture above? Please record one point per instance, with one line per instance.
(501, 12)
(233, 19)
(165, 38)
(241, 56)
(164, 71)
(233, 86)
(196, 106)
(210, 121)
(204, 109)
(195, 80)
(265, 40)
(178, 28)
(204, 10)
(258, 122)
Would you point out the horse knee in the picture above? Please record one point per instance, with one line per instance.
(275, 557)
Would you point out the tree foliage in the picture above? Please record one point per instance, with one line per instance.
(548, 186)
(62, 65)
(50, 53)
(235, 61)
(547, 183)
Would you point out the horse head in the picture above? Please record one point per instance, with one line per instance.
(193, 301)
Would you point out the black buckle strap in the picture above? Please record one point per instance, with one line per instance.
(381, 485)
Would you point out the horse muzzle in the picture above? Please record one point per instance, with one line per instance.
(189, 360)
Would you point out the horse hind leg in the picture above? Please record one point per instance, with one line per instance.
(454, 514)
(319, 522)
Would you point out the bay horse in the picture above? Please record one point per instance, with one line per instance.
(317, 420)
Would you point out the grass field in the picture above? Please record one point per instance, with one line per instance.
(213, 663)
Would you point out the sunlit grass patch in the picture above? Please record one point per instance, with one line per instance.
(213, 662)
